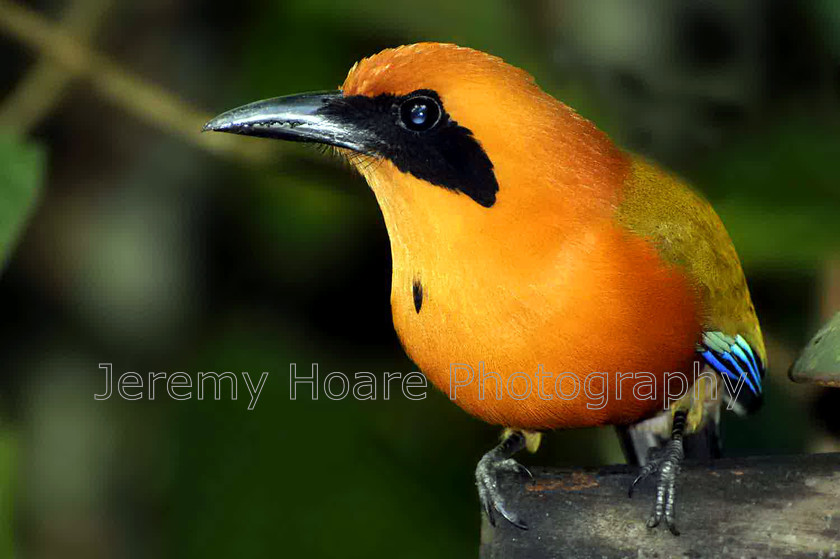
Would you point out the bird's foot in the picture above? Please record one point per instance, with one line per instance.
(665, 461)
(496, 462)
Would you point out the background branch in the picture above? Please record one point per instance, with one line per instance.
(149, 102)
(44, 84)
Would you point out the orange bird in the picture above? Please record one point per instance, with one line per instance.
(542, 277)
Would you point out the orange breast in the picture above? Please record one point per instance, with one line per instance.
(614, 309)
(530, 304)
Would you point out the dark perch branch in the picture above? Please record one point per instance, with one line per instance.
(780, 506)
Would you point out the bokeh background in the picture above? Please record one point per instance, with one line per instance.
(156, 248)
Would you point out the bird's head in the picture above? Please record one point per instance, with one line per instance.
(449, 133)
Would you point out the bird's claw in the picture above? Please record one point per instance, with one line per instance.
(511, 465)
(650, 468)
(486, 478)
(667, 464)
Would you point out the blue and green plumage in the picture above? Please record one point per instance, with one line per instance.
(734, 359)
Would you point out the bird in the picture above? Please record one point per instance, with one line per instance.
(533, 259)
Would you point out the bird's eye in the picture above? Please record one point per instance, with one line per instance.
(419, 113)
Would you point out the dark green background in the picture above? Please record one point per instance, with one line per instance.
(149, 252)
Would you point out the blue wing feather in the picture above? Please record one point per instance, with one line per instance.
(733, 358)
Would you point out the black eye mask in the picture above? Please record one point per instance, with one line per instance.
(419, 137)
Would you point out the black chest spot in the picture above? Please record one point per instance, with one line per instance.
(417, 293)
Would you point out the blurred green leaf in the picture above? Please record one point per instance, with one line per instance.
(819, 362)
(21, 176)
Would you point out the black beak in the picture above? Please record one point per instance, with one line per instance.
(309, 117)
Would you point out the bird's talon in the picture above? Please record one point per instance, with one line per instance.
(491, 497)
(665, 461)
(524, 471)
(632, 488)
(487, 479)
(521, 524)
